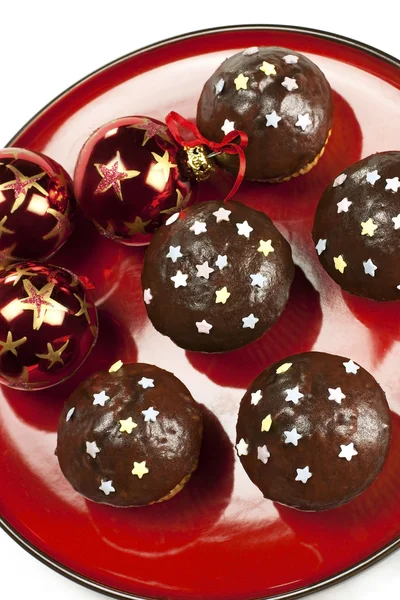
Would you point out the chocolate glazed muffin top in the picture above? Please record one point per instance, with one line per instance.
(280, 98)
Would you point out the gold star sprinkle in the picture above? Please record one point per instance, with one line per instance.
(163, 164)
(340, 264)
(266, 423)
(40, 301)
(116, 366)
(268, 68)
(10, 346)
(3, 228)
(139, 469)
(368, 228)
(283, 368)
(53, 356)
(265, 247)
(127, 425)
(21, 184)
(84, 307)
(16, 275)
(241, 82)
(137, 226)
(222, 295)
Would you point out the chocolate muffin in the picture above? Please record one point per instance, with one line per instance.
(357, 227)
(281, 99)
(130, 436)
(313, 431)
(216, 276)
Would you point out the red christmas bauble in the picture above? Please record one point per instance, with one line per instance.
(130, 176)
(48, 325)
(36, 205)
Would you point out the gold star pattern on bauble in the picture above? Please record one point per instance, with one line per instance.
(127, 425)
(16, 275)
(136, 226)
(62, 225)
(53, 356)
(163, 164)
(339, 263)
(21, 184)
(241, 82)
(368, 228)
(84, 307)
(268, 68)
(10, 346)
(6, 255)
(112, 174)
(40, 301)
(140, 469)
(3, 228)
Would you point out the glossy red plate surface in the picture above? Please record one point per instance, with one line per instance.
(219, 538)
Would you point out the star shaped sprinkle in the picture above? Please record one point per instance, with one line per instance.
(265, 247)
(53, 356)
(106, 487)
(348, 451)
(147, 296)
(396, 221)
(116, 366)
(145, 382)
(242, 448)
(39, 301)
(292, 437)
(368, 228)
(369, 267)
(249, 322)
(392, 184)
(198, 227)
(172, 219)
(340, 179)
(290, 84)
(222, 214)
(112, 174)
(372, 177)
(221, 262)
(163, 164)
(339, 263)
(320, 247)
(244, 229)
(204, 270)
(136, 226)
(203, 326)
(219, 86)
(266, 423)
(303, 121)
(351, 367)
(268, 68)
(100, 398)
(20, 186)
(263, 454)
(283, 368)
(228, 126)
(10, 346)
(250, 51)
(343, 205)
(140, 469)
(70, 413)
(256, 397)
(222, 295)
(258, 279)
(272, 119)
(241, 82)
(174, 253)
(336, 394)
(179, 279)
(92, 449)
(293, 395)
(150, 415)
(127, 425)
(291, 59)
(303, 475)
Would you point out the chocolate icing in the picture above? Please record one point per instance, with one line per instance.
(272, 153)
(343, 230)
(170, 445)
(175, 311)
(362, 418)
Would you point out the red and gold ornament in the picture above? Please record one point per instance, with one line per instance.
(48, 325)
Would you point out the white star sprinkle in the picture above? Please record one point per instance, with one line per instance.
(303, 475)
(198, 227)
(290, 84)
(228, 126)
(351, 367)
(221, 262)
(150, 415)
(396, 221)
(244, 229)
(293, 395)
(292, 437)
(321, 246)
(340, 179)
(172, 219)
(204, 270)
(392, 184)
(222, 214)
(336, 394)
(174, 253)
(219, 86)
(249, 322)
(290, 59)
(303, 121)
(145, 382)
(348, 451)
(92, 449)
(100, 399)
(343, 205)
(272, 119)
(147, 296)
(203, 326)
(369, 267)
(70, 413)
(256, 397)
(106, 487)
(179, 279)
(242, 448)
(372, 177)
(263, 454)
(250, 51)
(258, 279)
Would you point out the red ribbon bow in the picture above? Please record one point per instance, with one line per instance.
(227, 145)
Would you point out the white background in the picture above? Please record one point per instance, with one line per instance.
(47, 46)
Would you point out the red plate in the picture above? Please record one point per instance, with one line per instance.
(219, 538)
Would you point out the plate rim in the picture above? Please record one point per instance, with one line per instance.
(43, 556)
